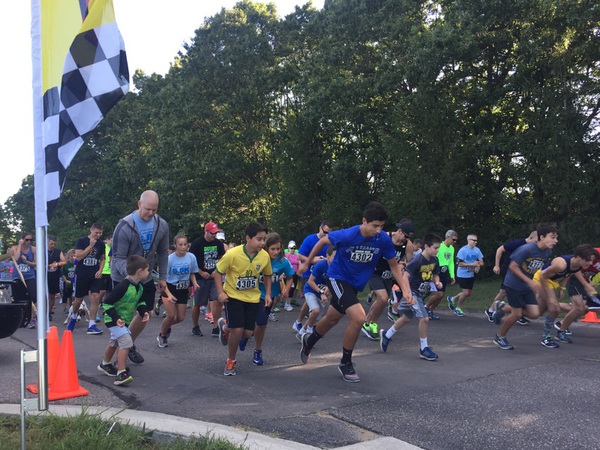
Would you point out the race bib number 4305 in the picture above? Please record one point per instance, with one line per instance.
(244, 283)
(361, 256)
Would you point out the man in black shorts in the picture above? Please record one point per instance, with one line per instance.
(56, 259)
(89, 252)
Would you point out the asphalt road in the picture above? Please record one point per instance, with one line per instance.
(475, 396)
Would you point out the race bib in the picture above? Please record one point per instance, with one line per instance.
(24, 268)
(89, 261)
(424, 288)
(444, 269)
(361, 256)
(386, 275)
(182, 284)
(209, 265)
(244, 283)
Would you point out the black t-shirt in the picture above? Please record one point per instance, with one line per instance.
(53, 256)
(383, 267)
(90, 264)
(207, 253)
(509, 248)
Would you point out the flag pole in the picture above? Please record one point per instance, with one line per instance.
(39, 186)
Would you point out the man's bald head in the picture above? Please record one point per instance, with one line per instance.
(147, 205)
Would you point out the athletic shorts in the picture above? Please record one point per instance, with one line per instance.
(241, 314)
(417, 309)
(206, 293)
(262, 315)
(466, 283)
(107, 283)
(312, 300)
(182, 295)
(86, 284)
(574, 287)
(444, 279)
(377, 283)
(520, 299)
(54, 284)
(343, 295)
(537, 277)
(124, 341)
(503, 272)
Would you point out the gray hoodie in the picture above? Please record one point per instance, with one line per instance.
(127, 242)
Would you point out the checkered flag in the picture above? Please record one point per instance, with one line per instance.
(95, 77)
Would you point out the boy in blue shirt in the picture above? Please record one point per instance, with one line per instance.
(357, 251)
(422, 271)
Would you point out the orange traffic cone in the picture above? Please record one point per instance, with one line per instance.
(66, 381)
(53, 352)
(590, 317)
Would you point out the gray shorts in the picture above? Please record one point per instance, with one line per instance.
(417, 309)
(206, 293)
(123, 342)
(378, 283)
(312, 300)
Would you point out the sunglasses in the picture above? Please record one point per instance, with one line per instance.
(27, 240)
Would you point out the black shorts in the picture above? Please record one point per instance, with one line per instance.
(466, 283)
(378, 283)
(85, 284)
(520, 299)
(241, 314)
(444, 278)
(182, 295)
(54, 284)
(343, 295)
(107, 283)
(262, 315)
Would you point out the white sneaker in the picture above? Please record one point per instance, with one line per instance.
(301, 333)
(288, 307)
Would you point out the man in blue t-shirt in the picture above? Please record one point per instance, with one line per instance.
(470, 260)
(358, 249)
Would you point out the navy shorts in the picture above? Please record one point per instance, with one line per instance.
(262, 315)
(520, 299)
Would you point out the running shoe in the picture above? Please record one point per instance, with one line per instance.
(107, 369)
(164, 314)
(489, 315)
(257, 359)
(32, 324)
(272, 317)
(548, 342)
(157, 309)
(523, 321)
(459, 312)
(498, 313)
(72, 322)
(431, 315)
(558, 326)
(348, 373)
(301, 333)
(123, 378)
(304, 351)
(162, 341)
(294, 302)
(196, 331)
(203, 309)
(276, 309)
(209, 318)
(370, 330)
(428, 354)
(288, 307)
(392, 315)
(223, 335)
(296, 326)
(450, 303)
(134, 356)
(229, 368)
(563, 337)
(383, 341)
(93, 329)
(370, 298)
(243, 343)
(502, 343)
(97, 318)
(215, 332)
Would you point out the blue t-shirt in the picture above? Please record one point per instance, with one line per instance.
(469, 256)
(145, 229)
(280, 266)
(307, 246)
(357, 256)
(320, 273)
(530, 258)
(180, 268)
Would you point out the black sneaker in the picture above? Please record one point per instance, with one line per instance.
(348, 373)
(123, 378)
(162, 341)
(196, 331)
(107, 369)
(523, 321)
(215, 332)
(489, 316)
(304, 351)
(134, 356)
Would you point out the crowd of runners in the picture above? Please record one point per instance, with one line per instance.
(136, 271)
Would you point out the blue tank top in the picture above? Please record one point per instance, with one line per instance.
(565, 273)
(27, 270)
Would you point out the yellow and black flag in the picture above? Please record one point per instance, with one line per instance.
(80, 72)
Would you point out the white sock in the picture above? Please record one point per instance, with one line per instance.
(91, 323)
(423, 343)
(389, 333)
(310, 330)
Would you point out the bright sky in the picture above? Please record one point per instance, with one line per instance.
(153, 31)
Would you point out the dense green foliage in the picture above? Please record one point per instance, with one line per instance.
(480, 116)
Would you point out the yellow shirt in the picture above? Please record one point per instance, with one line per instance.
(242, 273)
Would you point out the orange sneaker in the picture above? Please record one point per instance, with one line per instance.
(229, 368)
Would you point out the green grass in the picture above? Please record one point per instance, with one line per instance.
(91, 432)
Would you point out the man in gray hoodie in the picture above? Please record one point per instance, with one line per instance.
(143, 233)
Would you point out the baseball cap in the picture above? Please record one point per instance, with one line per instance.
(211, 227)
(406, 227)
(292, 244)
(221, 236)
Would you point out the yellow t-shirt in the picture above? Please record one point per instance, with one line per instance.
(242, 274)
